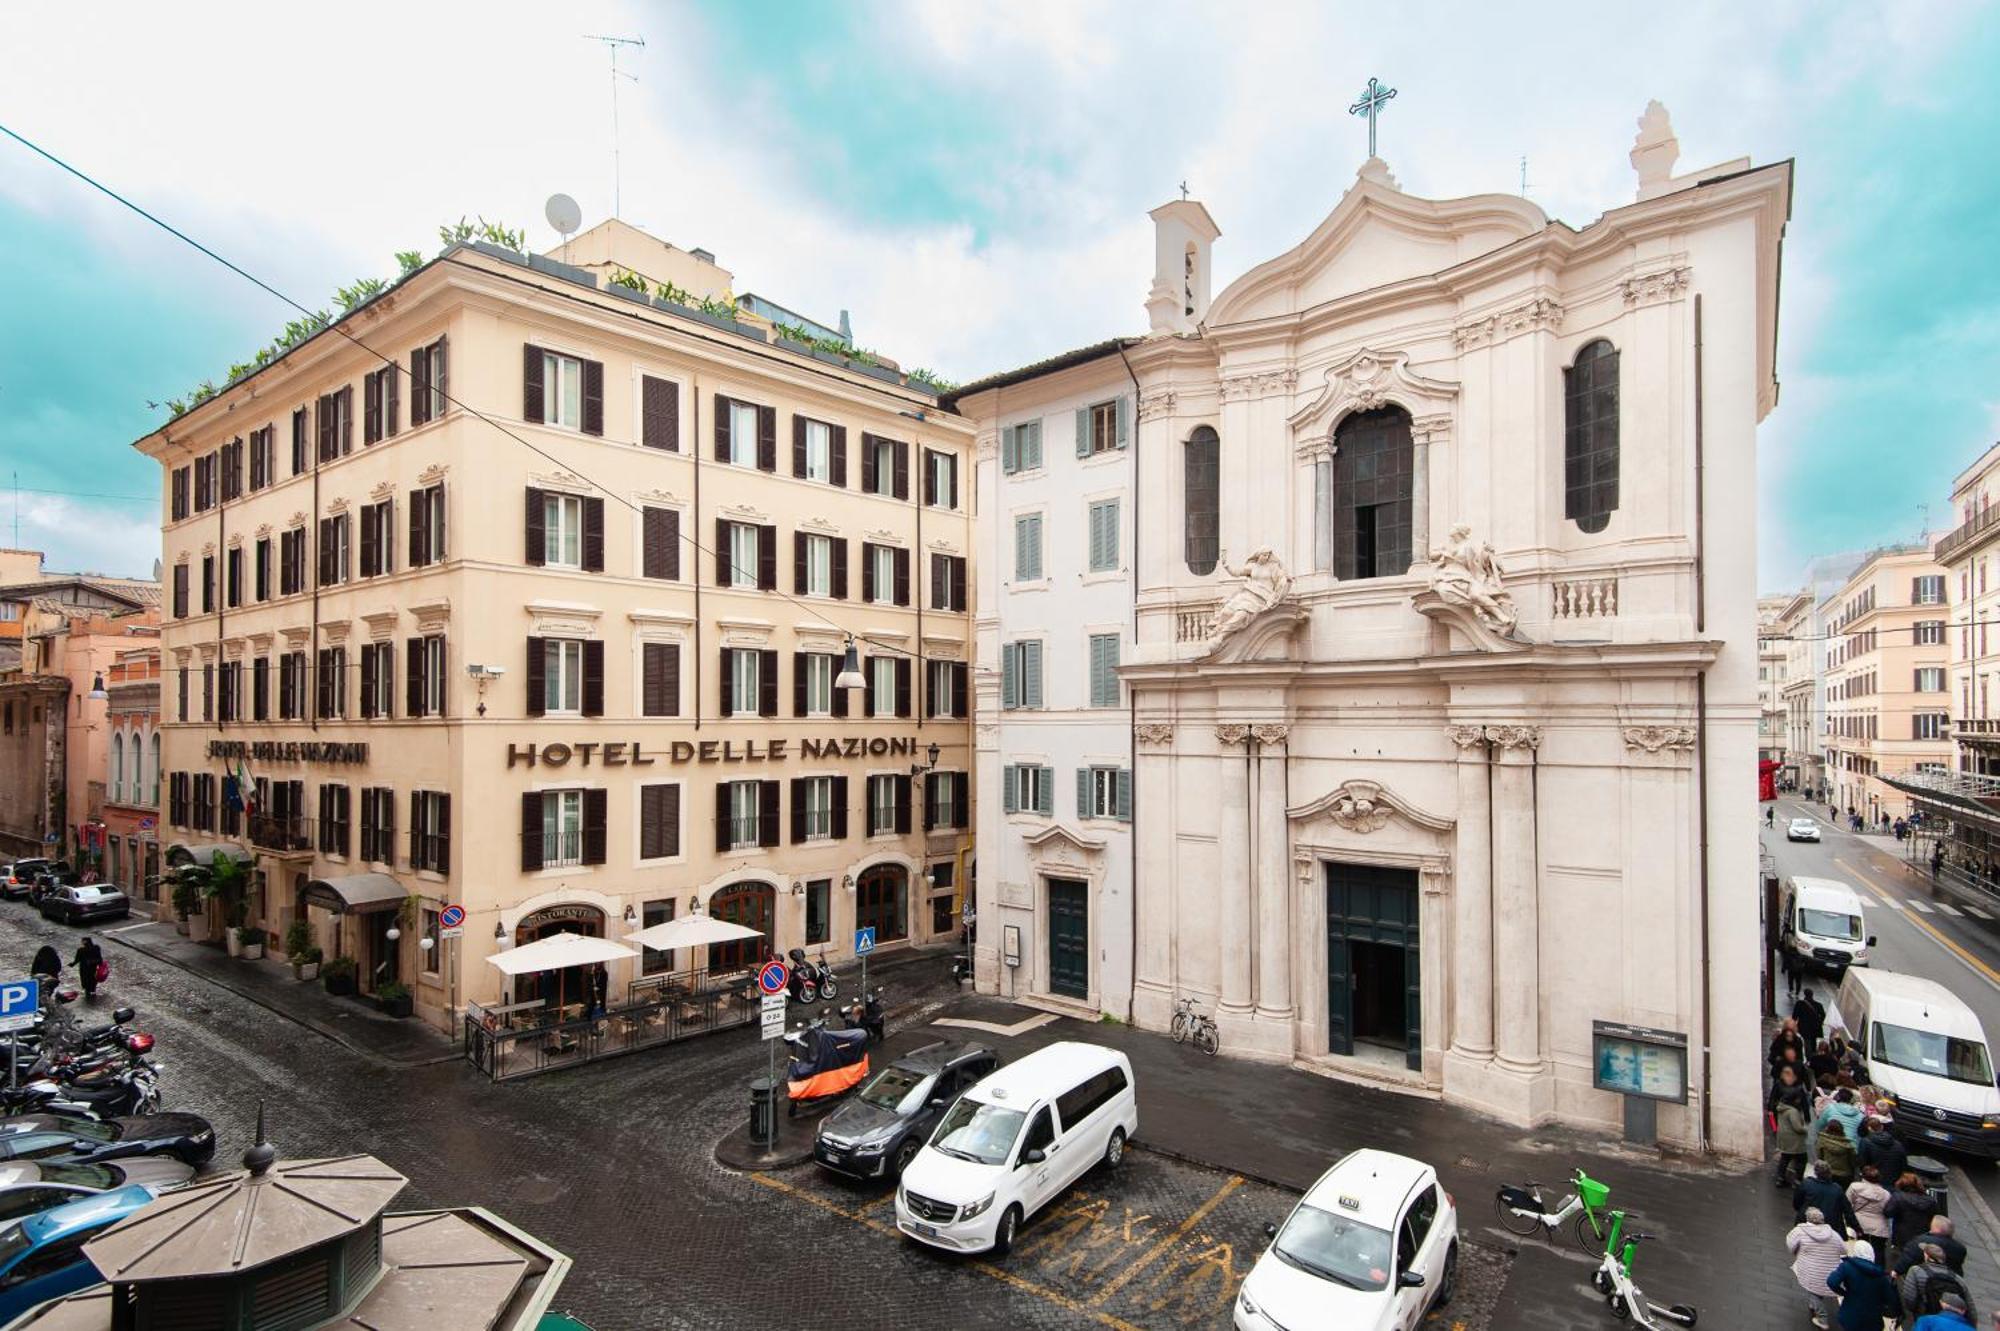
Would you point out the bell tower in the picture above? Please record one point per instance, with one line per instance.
(1182, 234)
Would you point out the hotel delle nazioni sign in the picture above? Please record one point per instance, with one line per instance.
(616, 753)
(288, 751)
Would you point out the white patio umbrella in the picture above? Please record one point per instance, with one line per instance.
(690, 931)
(558, 952)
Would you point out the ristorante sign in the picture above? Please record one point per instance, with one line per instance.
(288, 751)
(612, 753)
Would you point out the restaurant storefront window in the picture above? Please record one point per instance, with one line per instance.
(754, 905)
(654, 962)
(881, 902)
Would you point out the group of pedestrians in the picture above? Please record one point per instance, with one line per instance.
(1867, 1246)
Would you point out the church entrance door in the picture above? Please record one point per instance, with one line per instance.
(1374, 980)
(1069, 938)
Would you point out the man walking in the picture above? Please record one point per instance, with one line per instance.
(1928, 1285)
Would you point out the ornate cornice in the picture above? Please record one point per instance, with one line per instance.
(1154, 732)
(1156, 404)
(1369, 379)
(1538, 315)
(1229, 735)
(1662, 284)
(1514, 737)
(1654, 738)
(1365, 806)
(1270, 733)
(1262, 383)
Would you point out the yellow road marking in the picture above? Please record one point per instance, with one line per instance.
(1979, 967)
(1200, 1213)
(985, 1268)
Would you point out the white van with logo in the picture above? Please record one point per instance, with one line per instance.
(1014, 1142)
(1823, 926)
(1927, 1053)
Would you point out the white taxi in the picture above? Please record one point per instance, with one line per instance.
(1373, 1246)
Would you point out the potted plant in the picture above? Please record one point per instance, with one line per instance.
(338, 976)
(305, 963)
(186, 900)
(250, 943)
(393, 998)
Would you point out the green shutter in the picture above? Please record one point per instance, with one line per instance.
(1124, 783)
(1045, 793)
(1028, 548)
(1104, 670)
(1083, 792)
(1009, 799)
(1083, 432)
(1124, 420)
(1010, 682)
(1031, 446)
(1031, 674)
(1010, 448)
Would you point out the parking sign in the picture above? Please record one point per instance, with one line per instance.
(20, 1000)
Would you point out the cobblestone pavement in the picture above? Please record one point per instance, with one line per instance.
(613, 1165)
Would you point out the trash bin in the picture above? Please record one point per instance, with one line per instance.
(764, 1111)
(1931, 1171)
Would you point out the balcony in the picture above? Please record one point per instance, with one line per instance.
(285, 833)
(1976, 730)
(1960, 541)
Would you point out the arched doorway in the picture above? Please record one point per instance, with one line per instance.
(882, 901)
(753, 905)
(565, 986)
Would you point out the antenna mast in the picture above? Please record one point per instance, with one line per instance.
(612, 44)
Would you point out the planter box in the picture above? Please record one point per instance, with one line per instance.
(306, 970)
(197, 928)
(181, 925)
(253, 952)
(395, 1007)
(800, 347)
(229, 940)
(340, 986)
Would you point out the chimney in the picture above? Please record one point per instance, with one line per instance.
(1182, 234)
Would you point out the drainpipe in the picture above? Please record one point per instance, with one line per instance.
(1132, 718)
(1701, 734)
(694, 538)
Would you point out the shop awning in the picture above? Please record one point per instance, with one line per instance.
(182, 853)
(360, 892)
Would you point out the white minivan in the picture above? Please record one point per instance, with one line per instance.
(1927, 1053)
(1013, 1142)
(1823, 926)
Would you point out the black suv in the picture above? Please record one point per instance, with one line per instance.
(881, 1130)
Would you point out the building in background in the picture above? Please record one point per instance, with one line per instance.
(130, 812)
(1888, 708)
(570, 662)
(1805, 632)
(1055, 602)
(1970, 557)
(1777, 616)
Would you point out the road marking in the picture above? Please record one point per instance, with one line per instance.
(1200, 1213)
(986, 1268)
(1978, 967)
(1977, 913)
(1021, 1027)
(1950, 909)
(1893, 903)
(1919, 904)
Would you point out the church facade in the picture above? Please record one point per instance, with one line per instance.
(1442, 684)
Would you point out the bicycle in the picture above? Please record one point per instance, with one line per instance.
(1522, 1211)
(1623, 1295)
(1192, 1024)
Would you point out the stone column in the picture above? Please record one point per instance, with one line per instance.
(1274, 898)
(1233, 903)
(1472, 918)
(1516, 907)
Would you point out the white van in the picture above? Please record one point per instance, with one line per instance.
(1822, 925)
(1926, 1051)
(1015, 1141)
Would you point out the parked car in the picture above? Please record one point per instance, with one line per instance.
(41, 1256)
(49, 879)
(70, 1141)
(1014, 1142)
(1372, 1246)
(1802, 829)
(79, 903)
(29, 1186)
(883, 1127)
(19, 877)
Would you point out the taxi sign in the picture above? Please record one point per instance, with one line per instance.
(1350, 1203)
(774, 977)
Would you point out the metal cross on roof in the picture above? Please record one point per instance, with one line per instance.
(1373, 99)
(1183, 191)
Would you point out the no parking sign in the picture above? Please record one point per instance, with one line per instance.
(451, 922)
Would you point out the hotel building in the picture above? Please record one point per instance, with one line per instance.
(523, 590)
(1888, 711)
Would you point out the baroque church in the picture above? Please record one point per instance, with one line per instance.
(1442, 673)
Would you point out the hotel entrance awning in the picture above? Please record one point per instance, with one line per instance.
(362, 892)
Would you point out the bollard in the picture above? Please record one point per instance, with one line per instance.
(764, 1111)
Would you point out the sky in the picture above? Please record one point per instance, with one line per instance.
(971, 181)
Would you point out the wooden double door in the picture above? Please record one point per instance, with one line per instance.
(1374, 975)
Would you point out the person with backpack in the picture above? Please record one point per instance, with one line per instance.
(1884, 1150)
(1925, 1285)
(1940, 1233)
(1818, 1193)
(1868, 1295)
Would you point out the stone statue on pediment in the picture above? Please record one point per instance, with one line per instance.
(1466, 572)
(1264, 585)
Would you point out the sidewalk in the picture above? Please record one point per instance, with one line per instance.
(1720, 1227)
(394, 1042)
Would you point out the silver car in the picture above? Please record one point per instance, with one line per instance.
(1802, 829)
(29, 1186)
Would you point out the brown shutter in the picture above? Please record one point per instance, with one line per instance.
(371, 408)
(929, 476)
(419, 407)
(442, 383)
(367, 685)
(346, 396)
(798, 563)
(867, 571)
(951, 460)
(371, 557)
(531, 384)
(930, 807)
(595, 804)
(593, 397)
(959, 696)
(840, 808)
(840, 455)
(538, 676)
(537, 541)
(593, 535)
(419, 515)
(867, 463)
(390, 391)
(839, 696)
(385, 826)
(531, 831)
(767, 558)
(654, 542)
(961, 799)
(441, 862)
(722, 577)
(661, 687)
(722, 789)
(798, 444)
(931, 699)
(728, 680)
(413, 679)
(660, 414)
(902, 454)
(798, 809)
(767, 439)
(903, 686)
(902, 560)
(593, 677)
(722, 405)
(322, 427)
(840, 567)
(902, 804)
(767, 683)
(767, 813)
(799, 683)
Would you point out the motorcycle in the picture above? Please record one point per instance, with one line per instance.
(812, 980)
(827, 1065)
(865, 1015)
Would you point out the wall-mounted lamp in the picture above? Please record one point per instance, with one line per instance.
(631, 916)
(931, 754)
(392, 933)
(847, 881)
(694, 903)
(499, 932)
(97, 693)
(426, 944)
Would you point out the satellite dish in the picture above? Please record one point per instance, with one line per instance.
(563, 214)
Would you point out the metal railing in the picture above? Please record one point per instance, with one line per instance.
(1966, 725)
(1966, 534)
(506, 1046)
(271, 831)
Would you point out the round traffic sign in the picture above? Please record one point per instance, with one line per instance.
(451, 917)
(773, 977)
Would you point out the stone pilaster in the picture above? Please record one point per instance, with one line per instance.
(1274, 899)
(1234, 868)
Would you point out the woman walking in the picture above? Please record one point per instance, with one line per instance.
(1908, 1211)
(1866, 1197)
(90, 967)
(1868, 1297)
(1816, 1251)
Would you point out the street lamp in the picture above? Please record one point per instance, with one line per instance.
(850, 669)
(97, 693)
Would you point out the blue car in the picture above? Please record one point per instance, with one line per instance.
(41, 1256)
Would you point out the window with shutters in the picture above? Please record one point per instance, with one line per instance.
(428, 383)
(1201, 500)
(948, 582)
(887, 798)
(1590, 437)
(562, 530)
(427, 526)
(940, 479)
(817, 441)
(229, 700)
(885, 467)
(335, 554)
(1027, 788)
(378, 538)
(660, 679)
(660, 543)
(204, 483)
(380, 391)
(817, 793)
(816, 554)
(1021, 447)
(659, 821)
(659, 413)
(944, 689)
(232, 576)
(1104, 670)
(882, 574)
(260, 689)
(207, 584)
(1930, 725)
(562, 391)
(1101, 427)
(330, 682)
(292, 686)
(745, 681)
(180, 591)
(334, 828)
(261, 569)
(562, 676)
(1930, 633)
(1021, 674)
(1927, 589)
(430, 831)
(562, 828)
(743, 431)
(744, 554)
(378, 680)
(334, 420)
(1028, 547)
(1103, 526)
(263, 457)
(1930, 679)
(742, 816)
(292, 561)
(944, 800)
(1104, 792)
(181, 480)
(817, 670)
(653, 962)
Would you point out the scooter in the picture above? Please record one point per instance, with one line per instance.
(813, 978)
(865, 1015)
(826, 1065)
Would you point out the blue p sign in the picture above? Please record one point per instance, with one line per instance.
(19, 998)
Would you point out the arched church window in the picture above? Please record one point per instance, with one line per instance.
(1373, 472)
(1202, 493)
(1590, 437)
(117, 769)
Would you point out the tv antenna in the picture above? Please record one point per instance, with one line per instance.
(612, 44)
(564, 216)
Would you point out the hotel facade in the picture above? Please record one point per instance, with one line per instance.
(541, 615)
